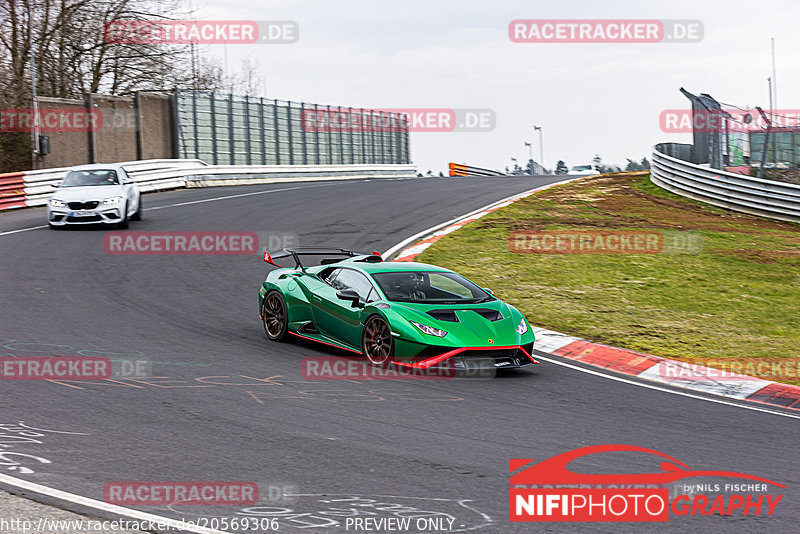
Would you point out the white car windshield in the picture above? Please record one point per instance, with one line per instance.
(87, 178)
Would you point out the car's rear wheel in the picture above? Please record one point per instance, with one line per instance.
(273, 313)
(376, 341)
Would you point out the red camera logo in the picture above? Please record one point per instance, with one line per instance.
(549, 491)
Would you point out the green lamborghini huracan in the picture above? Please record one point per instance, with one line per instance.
(401, 313)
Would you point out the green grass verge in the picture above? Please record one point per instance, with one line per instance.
(736, 300)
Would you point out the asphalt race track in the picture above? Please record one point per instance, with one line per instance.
(228, 405)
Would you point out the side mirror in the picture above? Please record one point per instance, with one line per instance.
(55, 186)
(488, 290)
(349, 294)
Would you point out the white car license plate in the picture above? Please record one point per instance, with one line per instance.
(82, 213)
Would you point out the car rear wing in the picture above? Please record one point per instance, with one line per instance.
(332, 255)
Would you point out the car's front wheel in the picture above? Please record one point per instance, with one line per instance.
(138, 215)
(123, 224)
(376, 341)
(273, 313)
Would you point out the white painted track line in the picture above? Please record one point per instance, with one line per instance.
(105, 507)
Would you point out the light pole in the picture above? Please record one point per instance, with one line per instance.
(530, 156)
(541, 145)
(35, 104)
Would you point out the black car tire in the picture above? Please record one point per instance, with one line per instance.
(124, 222)
(138, 215)
(274, 316)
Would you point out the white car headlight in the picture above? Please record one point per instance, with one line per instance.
(56, 203)
(431, 331)
(113, 201)
(522, 327)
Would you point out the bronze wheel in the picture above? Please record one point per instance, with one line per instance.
(273, 313)
(377, 343)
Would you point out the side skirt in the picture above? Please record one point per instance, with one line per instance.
(319, 338)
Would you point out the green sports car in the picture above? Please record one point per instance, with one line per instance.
(401, 313)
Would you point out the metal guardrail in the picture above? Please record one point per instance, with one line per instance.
(34, 188)
(150, 175)
(737, 192)
(223, 175)
(461, 169)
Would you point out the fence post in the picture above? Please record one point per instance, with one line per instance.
(303, 131)
(289, 131)
(231, 142)
(214, 157)
(247, 128)
(277, 131)
(263, 131)
(195, 126)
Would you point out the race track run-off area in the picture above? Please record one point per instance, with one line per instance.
(222, 403)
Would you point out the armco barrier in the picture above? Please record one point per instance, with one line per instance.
(12, 190)
(460, 169)
(33, 188)
(737, 192)
(222, 175)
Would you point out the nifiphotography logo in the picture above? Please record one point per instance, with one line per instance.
(549, 491)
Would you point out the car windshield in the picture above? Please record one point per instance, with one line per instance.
(86, 178)
(430, 287)
(582, 168)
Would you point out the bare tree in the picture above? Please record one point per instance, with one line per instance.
(75, 57)
(249, 80)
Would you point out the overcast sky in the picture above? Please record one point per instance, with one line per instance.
(589, 98)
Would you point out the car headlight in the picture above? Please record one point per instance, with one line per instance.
(431, 331)
(113, 201)
(522, 327)
(56, 203)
